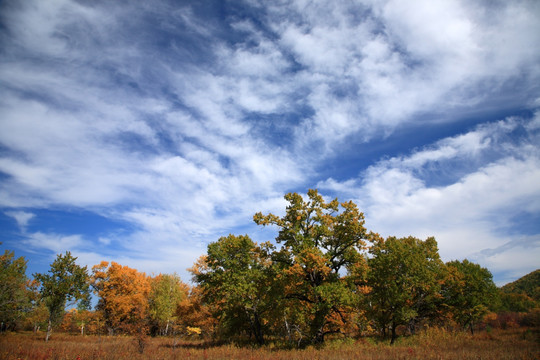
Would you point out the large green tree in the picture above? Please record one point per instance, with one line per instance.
(65, 282)
(469, 292)
(404, 277)
(234, 278)
(320, 262)
(15, 298)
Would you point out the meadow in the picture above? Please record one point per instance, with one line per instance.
(515, 343)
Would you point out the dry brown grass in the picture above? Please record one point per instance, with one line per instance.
(434, 344)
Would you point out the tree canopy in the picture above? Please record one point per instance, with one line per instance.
(469, 291)
(404, 277)
(123, 296)
(235, 275)
(166, 293)
(320, 262)
(324, 275)
(14, 297)
(65, 281)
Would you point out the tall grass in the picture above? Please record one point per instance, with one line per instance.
(431, 344)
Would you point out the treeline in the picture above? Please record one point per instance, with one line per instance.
(326, 275)
(129, 301)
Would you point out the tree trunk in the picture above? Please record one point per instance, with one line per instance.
(394, 335)
(49, 329)
(288, 329)
(471, 327)
(167, 328)
(257, 329)
(319, 338)
(412, 326)
(317, 327)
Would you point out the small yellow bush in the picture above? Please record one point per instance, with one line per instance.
(193, 330)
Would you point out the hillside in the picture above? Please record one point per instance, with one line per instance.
(528, 285)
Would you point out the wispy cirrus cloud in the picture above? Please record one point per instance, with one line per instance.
(183, 119)
(377, 65)
(180, 164)
(21, 217)
(490, 177)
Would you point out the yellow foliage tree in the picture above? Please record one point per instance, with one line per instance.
(167, 292)
(123, 297)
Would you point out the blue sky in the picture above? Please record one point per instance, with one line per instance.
(139, 132)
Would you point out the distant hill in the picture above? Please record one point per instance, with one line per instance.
(528, 285)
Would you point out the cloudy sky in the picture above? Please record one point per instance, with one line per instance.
(139, 132)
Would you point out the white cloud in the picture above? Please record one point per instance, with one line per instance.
(405, 59)
(512, 260)
(21, 217)
(159, 117)
(430, 30)
(468, 216)
(55, 243)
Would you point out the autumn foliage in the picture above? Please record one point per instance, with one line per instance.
(324, 276)
(123, 296)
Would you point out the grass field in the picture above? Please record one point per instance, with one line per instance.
(434, 344)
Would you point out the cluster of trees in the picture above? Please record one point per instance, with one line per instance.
(129, 301)
(330, 275)
(325, 274)
(521, 295)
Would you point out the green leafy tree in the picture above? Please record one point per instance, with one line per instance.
(234, 278)
(166, 293)
(37, 317)
(468, 292)
(65, 282)
(38, 314)
(404, 277)
(320, 262)
(14, 294)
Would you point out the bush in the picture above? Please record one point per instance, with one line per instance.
(506, 320)
(531, 319)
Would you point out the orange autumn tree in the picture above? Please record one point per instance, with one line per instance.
(194, 313)
(82, 321)
(123, 297)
